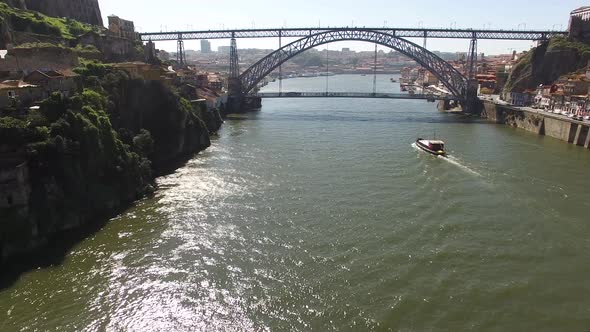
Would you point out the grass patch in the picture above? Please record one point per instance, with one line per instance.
(35, 22)
(563, 43)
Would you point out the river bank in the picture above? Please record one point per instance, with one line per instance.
(317, 214)
(539, 122)
(76, 162)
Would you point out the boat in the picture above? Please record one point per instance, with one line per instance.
(435, 147)
(393, 80)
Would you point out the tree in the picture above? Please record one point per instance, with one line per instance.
(143, 143)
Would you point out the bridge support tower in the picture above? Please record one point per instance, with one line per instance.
(237, 101)
(180, 55)
(472, 104)
(234, 85)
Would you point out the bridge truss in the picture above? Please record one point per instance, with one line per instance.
(398, 32)
(447, 74)
(461, 87)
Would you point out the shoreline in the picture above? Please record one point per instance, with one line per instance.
(56, 247)
(538, 122)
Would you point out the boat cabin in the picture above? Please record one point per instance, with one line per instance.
(436, 145)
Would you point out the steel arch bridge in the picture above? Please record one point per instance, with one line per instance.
(449, 76)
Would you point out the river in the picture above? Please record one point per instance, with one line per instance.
(319, 215)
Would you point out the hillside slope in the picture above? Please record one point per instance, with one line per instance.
(546, 63)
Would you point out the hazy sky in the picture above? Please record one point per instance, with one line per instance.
(168, 15)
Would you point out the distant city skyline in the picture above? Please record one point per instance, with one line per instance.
(149, 16)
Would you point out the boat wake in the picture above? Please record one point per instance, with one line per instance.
(458, 163)
(452, 160)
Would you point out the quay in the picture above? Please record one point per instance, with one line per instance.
(539, 122)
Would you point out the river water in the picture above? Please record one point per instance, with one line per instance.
(319, 215)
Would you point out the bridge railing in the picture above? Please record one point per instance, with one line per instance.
(398, 32)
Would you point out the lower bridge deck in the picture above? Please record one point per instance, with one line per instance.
(431, 97)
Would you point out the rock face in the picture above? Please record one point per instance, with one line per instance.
(546, 63)
(31, 59)
(87, 11)
(20, 4)
(173, 123)
(90, 161)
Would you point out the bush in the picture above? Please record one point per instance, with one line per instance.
(54, 106)
(93, 69)
(94, 99)
(143, 144)
(16, 131)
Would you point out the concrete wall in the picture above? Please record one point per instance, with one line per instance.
(558, 129)
(26, 60)
(527, 121)
(567, 130)
(24, 96)
(14, 186)
(513, 117)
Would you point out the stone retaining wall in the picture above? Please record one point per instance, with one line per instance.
(540, 123)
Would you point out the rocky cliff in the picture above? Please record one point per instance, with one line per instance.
(20, 4)
(152, 106)
(547, 62)
(84, 11)
(20, 26)
(83, 158)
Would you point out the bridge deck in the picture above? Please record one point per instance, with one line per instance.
(398, 32)
(352, 95)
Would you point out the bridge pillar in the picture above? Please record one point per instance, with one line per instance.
(180, 55)
(234, 65)
(472, 104)
(234, 84)
(472, 60)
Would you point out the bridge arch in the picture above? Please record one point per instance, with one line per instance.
(449, 76)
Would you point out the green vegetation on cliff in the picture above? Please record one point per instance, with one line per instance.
(176, 128)
(35, 22)
(562, 43)
(78, 168)
(547, 62)
(91, 154)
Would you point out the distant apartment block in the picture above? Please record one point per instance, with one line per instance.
(579, 25)
(223, 49)
(205, 46)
